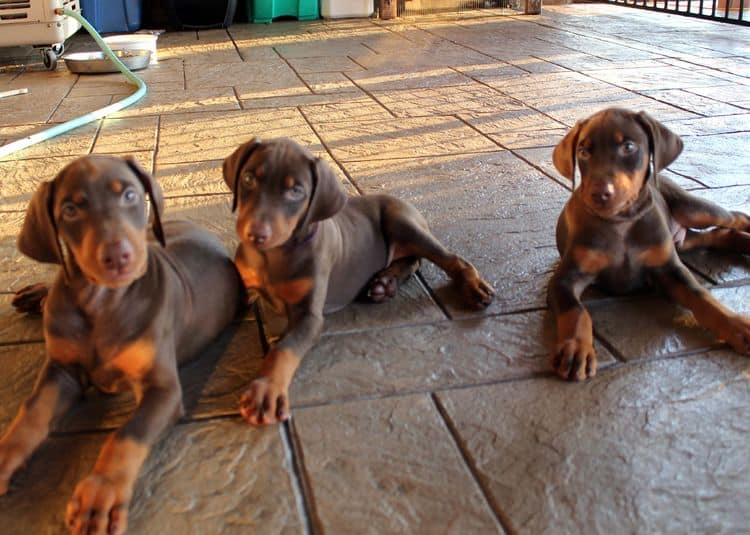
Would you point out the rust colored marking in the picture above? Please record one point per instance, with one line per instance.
(656, 255)
(590, 260)
(619, 138)
(260, 170)
(575, 323)
(294, 291)
(121, 459)
(250, 277)
(116, 186)
(136, 359)
(289, 182)
(79, 197)
(62, 350)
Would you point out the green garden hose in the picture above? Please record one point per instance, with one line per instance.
(56, 130)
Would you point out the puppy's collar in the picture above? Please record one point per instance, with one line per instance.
(296, 242)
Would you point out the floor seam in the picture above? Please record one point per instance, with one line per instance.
(470, 463)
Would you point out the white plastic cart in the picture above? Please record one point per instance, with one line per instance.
(34, 22)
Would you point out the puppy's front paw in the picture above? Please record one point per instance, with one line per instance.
(574, 360)
(737, 333)
(30, 299)
(477, 293)
(99, 505)
(265, 402)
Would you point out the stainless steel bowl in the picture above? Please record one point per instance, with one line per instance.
(97, 62)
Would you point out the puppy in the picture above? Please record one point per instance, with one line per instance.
(623, 227)
(123, 312)
(310, 250)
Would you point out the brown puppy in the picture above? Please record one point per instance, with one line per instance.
(622, 229)
(122, 313)
(310, 250)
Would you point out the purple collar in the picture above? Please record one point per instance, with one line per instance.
(296, 242)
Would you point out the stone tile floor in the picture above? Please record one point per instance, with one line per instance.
(416, 416)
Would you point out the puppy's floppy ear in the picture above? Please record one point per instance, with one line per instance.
(234, 164)
(38, 238)
(328, 196)
(665, 145)
(564, 155)
(155, 193)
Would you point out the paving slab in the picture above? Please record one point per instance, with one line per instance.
(195, 137)
(451, 100)
(628, 450)
(72, 107)
(422, 358)
(400, 138)
(15, 327)
(329, 82)
(21, 178)
(689, 100)
(398, 464)
(654, 326)
(201, 76)
(77, 142)
(356, 108)
(201, 477)
(212, 99)
(127, 135)
(518, 128)
(704, 157)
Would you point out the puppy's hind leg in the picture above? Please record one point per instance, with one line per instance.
(407, 232)
(385, 283)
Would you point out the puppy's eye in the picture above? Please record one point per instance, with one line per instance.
(295, 193)
(583, 153)
(69, 210)
(629, 147)
(249, 180)
(130, 196)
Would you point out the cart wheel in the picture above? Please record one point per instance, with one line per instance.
(59, 49)
(50, 59)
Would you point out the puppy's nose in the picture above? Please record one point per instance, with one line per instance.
(603, 195)
(116, 255)
(260, 233)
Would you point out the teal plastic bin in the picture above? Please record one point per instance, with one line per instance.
(267, 10)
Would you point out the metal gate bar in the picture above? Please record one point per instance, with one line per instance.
(731, 11)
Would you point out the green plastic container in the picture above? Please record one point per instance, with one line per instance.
(267, 10)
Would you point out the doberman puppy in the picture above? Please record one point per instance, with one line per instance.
(310, 250)
(623, 227)
(123, 312)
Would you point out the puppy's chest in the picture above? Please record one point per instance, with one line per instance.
(621, 259)
(275, 278)
(113, 363)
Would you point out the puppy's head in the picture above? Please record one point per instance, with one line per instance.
(96, 206)
(280, 189)
(612, 149)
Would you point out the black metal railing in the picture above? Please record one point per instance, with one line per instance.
(732, 11)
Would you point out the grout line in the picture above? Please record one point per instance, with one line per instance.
(471, 465)
(299, 481)
(237, 96)
(157, 138)
(369, 94)
(431, 293)
(236, 48)
(513, 152)
(330, 152)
